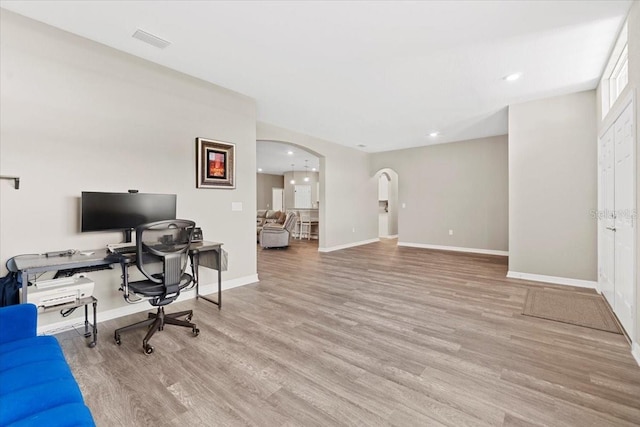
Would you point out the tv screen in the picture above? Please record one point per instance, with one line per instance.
(124, 211)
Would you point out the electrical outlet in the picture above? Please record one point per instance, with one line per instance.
(353, 230)
(450, 232)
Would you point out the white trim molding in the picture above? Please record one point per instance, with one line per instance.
(553, 279)
(454, 249)
(635, 352)
(212, 288)
(348, 245)
(125, 310)
(393, 236)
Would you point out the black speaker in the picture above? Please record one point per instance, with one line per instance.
(197, 235)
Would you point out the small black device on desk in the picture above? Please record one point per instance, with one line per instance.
(197, 235)
(68, 252)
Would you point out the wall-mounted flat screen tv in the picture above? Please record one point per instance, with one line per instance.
(124, 211)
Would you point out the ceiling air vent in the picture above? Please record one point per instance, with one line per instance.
(150, 39)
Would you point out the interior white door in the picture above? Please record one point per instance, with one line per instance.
(302, 197)
(606, 217)
(277, 199)
(625, 221)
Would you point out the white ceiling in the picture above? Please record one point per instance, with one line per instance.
(274, 158)
(375, 73)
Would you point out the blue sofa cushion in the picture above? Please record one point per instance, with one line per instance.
(29, 350)
(37, 387)
(29, 401)
(69, 415)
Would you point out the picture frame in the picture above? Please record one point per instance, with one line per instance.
(215, 164)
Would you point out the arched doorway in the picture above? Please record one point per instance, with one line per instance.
(387, 203)
(292, 176)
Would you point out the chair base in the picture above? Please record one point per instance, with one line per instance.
(156, 322)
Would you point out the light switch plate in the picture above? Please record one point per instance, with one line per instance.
(236, 206)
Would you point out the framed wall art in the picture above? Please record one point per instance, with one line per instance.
(215, 164)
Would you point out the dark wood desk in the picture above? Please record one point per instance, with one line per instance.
(200, 253)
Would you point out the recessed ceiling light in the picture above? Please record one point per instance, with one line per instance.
(259, 169)
(313, 169)
(513, 77)
(290, 153)
(434, 134)
(151, 39)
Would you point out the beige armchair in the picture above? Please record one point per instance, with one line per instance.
(268, 216)
(274, 235)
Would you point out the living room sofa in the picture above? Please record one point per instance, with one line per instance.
(37, 387)
(265, 216)
(276, 235)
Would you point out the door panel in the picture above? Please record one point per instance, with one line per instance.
(624, 219)
(606, 220)
(277, 199)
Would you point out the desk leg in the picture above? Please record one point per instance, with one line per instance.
(94, 327)
(219, 278)
(195, 263)
(25, 285)
(87, 334)
(95, 324)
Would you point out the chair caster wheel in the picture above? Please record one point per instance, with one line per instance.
(147, 349)
(92, 344)
(196, 332)
(117, 339)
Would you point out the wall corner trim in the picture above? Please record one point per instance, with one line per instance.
(348, 245)
(635, 352)
(65, 325)
(553, 279)
(454, 248)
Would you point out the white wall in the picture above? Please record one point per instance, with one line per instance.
(553, 186)
(348, 194)
(459, 186)
(77, 115)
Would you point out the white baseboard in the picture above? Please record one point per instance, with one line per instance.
(348, 245)
(454, 248)
(126, 309)
(635, 352)
(212, 288)
(553, 279)
(392, 236)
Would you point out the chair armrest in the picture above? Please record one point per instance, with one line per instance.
(272, 226)
(17, 322)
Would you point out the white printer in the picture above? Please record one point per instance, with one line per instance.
(49, 293)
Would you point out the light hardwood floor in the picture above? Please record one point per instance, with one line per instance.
(373, 335)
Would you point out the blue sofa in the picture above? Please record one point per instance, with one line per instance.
(37, 387)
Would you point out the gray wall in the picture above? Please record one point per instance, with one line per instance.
(264, 183)
(460, 186)
(633, 36)
(77, 115)
(552, 186)
(348, 193)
